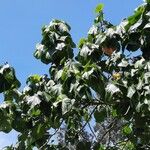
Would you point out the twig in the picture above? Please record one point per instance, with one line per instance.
(92, 131)
(51, 136)
(109, 138)
(87, 121)
(111, 126)
(95, 102)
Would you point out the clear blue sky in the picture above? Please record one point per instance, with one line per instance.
(20, 30)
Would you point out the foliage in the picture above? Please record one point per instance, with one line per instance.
(98, 100)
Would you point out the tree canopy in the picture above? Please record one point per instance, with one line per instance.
(98, 99)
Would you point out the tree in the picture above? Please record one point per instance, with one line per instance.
(98, 100)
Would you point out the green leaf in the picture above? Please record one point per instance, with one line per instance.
(85, 51)
(114, 112)
(5, 126)
(8, 79)
(35, 112)
(131, 91)
(82, 42)
(84, 145)
(135, 18)
(99, 8)
(19, 124)
(148, 1)
(93, 30)
(67, 105)
(124, 63)
(102, 147)
(112, 88)
(38, 131)
(20, 145)
(33, 100)
(127, 130)
(34, 78)
(99, 146)
(136, 25)
(59, 74)
(138, 107)
(60, 46)
(100, 115)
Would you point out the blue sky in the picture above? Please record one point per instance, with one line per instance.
(20, 30)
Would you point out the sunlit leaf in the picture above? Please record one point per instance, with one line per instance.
(99, 8)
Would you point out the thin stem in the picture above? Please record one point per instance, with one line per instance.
(111, 126)
(87, 121)
(92, 131)
(51, 136)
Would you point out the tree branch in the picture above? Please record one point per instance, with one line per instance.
(51, 136)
